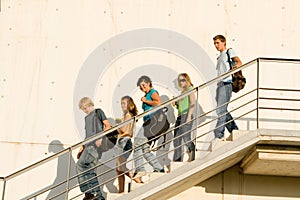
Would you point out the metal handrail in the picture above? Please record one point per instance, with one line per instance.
(99, 135)
(194, 90)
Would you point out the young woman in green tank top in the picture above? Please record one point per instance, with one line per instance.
(183, 125)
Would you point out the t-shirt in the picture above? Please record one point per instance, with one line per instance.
(223, 64)
(184, 103)
(93, 124)
(147, 106)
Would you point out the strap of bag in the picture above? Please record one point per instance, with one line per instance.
(99, 117)
(228, 58)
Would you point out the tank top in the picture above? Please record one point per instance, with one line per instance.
(184, 103)
(147, 106)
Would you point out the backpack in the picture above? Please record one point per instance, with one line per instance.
(110, 139)
(238, 80)
(156, 126)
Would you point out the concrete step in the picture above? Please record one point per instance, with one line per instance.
(113, 196)
(130, 185)
(217, 143)
(175, 165)
(236, 134)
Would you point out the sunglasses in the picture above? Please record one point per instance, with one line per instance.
(182, 80)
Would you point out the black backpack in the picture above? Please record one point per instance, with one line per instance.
(238, 80)
(156, 126)
(109, 140)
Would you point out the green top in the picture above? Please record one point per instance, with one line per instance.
(184, 103)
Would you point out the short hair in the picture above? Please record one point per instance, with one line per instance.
(187, 78)
(85, 101)
(220, 37)
(145, 79)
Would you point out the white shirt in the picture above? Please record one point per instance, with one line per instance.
(223, 64)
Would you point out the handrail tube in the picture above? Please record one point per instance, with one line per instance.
(200, 125)
(288, 60)
(146, 162)
(62, 152)
(279, 89)
(272, 108)
(278, 99)
(202, 115)
(96, 136)
(211, 130)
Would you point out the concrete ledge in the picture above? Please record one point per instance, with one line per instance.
(273, 160)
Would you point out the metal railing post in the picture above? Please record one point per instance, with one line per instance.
(4, 187)
(257, 94)
(69, 173)
(196, 105)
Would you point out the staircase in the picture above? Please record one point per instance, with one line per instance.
(269, 126)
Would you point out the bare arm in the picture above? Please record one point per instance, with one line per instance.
(192, 107)
(155, 100)
(106, 124)
(237, 61)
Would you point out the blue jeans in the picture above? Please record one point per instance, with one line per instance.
(142, 150)
(224, 92)
(88, 160)
(183, 133)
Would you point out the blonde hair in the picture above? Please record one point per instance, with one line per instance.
(85, 101)
(187, 78)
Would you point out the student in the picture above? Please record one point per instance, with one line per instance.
(124, 143)
(183, 124)
(142, 147)
(224, 89)
(88, 154)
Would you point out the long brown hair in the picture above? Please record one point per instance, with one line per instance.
(133, 111)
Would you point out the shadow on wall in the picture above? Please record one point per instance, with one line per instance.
(62, 170)
(107, 169)
(58, 186)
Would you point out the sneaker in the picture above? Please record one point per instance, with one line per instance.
(191, 156)
(98, 198)
(139, 174)
(161, 170)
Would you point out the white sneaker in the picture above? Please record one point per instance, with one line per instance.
(139, 174)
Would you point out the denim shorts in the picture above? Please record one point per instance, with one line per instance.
(125, 144)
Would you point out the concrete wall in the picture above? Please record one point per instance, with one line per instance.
(232, 185)
(52, 53)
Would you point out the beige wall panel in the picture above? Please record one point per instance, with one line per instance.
(44, 44)
(231, 185)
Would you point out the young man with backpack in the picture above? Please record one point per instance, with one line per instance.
(88, 155)
(224, 88)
